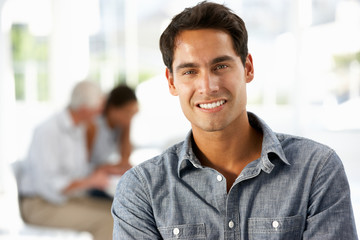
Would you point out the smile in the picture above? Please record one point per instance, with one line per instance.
(212, 105)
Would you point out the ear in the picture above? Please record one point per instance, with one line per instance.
(249, 68)
(170, 78)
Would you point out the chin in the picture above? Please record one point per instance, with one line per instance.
(211, 127)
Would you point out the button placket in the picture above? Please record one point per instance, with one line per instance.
(232, 211)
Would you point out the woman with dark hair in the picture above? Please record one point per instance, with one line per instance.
(109, 136)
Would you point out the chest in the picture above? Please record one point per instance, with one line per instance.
(71, 151)
(257, 207)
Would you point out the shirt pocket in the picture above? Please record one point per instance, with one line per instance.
(187, 231)
(275, 228)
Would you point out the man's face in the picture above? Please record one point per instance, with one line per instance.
(210, 79)
(88, 114)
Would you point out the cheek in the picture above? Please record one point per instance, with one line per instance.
(124, 120)
(116, 119)
(186, 106)
(185, 97)
(185, 89)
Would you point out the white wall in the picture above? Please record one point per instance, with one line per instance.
(7, 98)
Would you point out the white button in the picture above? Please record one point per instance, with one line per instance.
(176, 231)
(219, 178)
(231, 224)
(275, 224)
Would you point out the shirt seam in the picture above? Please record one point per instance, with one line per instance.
(331, 152)
(143, 182)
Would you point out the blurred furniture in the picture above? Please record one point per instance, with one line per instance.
(12, 226)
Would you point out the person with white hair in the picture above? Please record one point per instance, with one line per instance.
(57, 172)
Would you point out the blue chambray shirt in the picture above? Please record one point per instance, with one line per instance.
(297, 189)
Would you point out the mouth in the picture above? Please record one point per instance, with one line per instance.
(211, 105)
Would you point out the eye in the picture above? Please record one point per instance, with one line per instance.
(220, 66)
(189, 72)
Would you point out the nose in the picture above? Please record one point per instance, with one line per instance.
(208, 83)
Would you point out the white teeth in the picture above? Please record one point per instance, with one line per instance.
(212, 105)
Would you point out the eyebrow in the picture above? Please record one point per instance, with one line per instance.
(186, 65)
(214, 61)
(222, 59)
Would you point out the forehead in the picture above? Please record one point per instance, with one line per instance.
(126, 106)
(198, 35)
(202, 44)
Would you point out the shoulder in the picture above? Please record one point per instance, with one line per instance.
(297, 142)
(48, 126)
(301, 150)
(156, 169)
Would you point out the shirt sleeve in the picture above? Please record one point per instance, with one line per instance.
(330, 214)
(131, 209)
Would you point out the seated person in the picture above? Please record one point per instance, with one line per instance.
(111, 131)
(57, 171)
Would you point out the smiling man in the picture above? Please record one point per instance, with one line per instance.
(232, 177)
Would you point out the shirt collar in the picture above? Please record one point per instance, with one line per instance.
(270, 145)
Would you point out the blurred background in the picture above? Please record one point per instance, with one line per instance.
(306, 56)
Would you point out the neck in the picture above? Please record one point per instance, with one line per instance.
(228, 151)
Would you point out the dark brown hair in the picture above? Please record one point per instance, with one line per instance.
(119, 96)
(205, 15)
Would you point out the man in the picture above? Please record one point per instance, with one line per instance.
(232, 177)
(57, 171)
